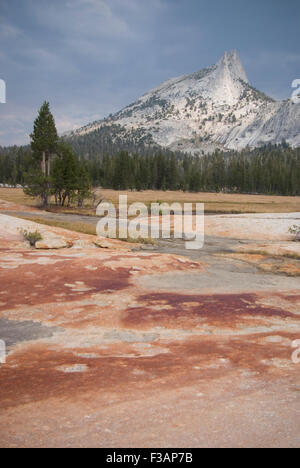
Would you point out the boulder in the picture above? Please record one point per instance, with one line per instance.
(111, 244)
(53, 243)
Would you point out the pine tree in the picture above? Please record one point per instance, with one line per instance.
(64, 177)
(43, 144)
(83, 185)
(44, 138)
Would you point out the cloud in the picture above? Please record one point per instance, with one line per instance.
(274, 71)
(84, 18)
(45, 59)
(15, 124)
(8, 31)
(8, 27)
(90, 58)
(66, 122)
(270, 57)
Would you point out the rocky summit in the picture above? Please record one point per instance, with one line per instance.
(213, 108)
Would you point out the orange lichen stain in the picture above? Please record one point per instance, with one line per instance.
(53, 281)
(290, 269)
(38, 372)
(40, 375)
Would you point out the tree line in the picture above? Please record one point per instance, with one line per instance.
(268, 170)
(51, 167)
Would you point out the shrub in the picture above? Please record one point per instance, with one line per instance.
(296, 231)
(32, 237)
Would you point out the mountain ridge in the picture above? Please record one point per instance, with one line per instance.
(215, 107)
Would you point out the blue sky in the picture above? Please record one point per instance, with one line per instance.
(90, 58)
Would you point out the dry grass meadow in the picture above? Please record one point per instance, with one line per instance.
(214, 202)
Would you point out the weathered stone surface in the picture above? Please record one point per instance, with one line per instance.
(11, 230)
(261, 227)
(13, 332)
(112, 244)
(53, 243)
(126, 364)
(253, 226)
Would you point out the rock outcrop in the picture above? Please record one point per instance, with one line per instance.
(213, 108)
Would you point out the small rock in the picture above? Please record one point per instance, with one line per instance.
(273, 339)
(76, 368)
(111, 245)
(53, 243)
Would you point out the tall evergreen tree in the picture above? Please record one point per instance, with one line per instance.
(83, 184)
(64, 177)
(44, 138)
(43, 144)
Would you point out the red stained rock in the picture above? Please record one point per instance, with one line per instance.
(127, 367)
(188, 311)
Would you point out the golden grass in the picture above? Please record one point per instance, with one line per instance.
(85, 211)
(17, 196)
(214, 202)
(268, 263)
(291, 256)
(83, 228)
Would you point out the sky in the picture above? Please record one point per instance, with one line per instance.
(90, 58)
